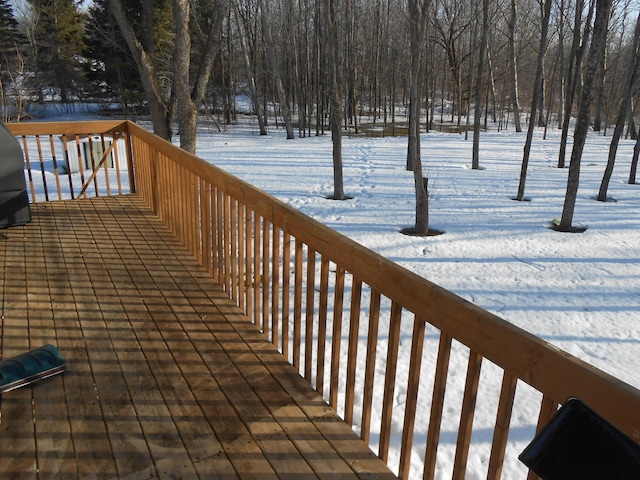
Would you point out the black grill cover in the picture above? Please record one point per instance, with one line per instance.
(14, 201)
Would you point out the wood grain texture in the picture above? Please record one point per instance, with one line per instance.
(166, 376)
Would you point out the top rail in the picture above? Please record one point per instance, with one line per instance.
(363, 330)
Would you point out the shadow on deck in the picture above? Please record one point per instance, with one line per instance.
(166, 377)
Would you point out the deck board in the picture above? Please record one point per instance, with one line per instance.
(166, 378)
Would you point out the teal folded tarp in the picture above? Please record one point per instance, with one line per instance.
(30, 367)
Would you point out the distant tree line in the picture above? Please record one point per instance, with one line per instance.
(312, 66)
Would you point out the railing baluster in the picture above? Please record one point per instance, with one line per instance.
(322, 324)
(233, 227)
(501, 431)
(227, 243)
(336, 337)
(205, 205)
(242, 242)
(116, 156)
(437, 406)
(105, 163)
(250, 218)
(275, 286)
(370, 367)
(257, 277)
(27, 160)
(309, 311)
(548, 408)
(395, 320)
(286, 293)
(413, 385)
(42, 170)
(65, 150)
(56, 170)
(220, 237)
(466, 415)
(297, 303)
(265, 284)
(352, 353)
(192, 215)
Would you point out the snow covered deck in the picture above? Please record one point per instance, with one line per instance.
(165, 376)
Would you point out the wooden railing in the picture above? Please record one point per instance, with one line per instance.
(67, 160)
(337, 311)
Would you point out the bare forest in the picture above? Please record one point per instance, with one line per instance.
(338, 67)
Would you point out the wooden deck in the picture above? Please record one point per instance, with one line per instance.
(166, 378)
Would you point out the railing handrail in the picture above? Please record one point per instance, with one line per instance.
(557, 374)
(68, 128)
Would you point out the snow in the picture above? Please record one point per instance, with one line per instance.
(577, 291)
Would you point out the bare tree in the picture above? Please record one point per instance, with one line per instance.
(623, 112)
(187, 91)
(634, 161)
(335, 101)
(574, 72)
(475, 163)
(418, 13)
(275, 68)
(246, 57)
(513, 65)
(596, 53)
(143, 56)
(537, 94)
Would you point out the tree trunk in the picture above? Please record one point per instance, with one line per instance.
(599, 96)
(418, 12)
(475, 163)
(623, 111)
(573, 74)
(634, 162)
(537, 91)
(352, 67)
(562, 77)
(513, 66)
(187, 109)
(146, 69)
(335, 100)
(253, 89)
(275, 69)
(473, 41)
(596, 53)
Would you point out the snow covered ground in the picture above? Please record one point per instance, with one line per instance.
(579, 292)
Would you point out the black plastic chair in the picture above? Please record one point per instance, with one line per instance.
(580, 444)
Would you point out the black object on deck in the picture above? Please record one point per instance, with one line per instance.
(579, 444)
(14, 201)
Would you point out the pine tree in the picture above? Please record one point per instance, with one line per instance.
(60, 44)
(111, 68)
(10, 37)
(12, 47)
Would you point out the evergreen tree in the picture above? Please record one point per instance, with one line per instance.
(59, 38)
(10, 37)
(12, 46)
(111, 69)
